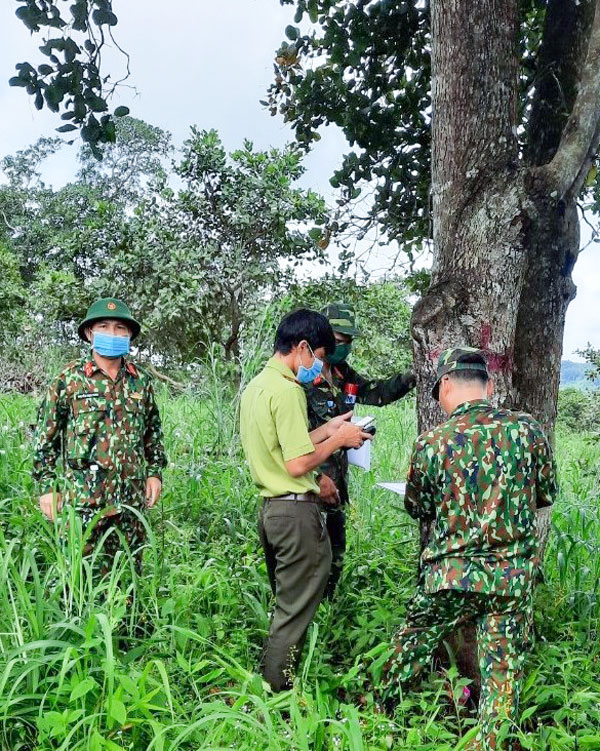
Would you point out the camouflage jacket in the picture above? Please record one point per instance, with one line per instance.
(327, 400)
(108, 433)
(480, 477)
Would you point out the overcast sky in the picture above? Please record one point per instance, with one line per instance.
(209, 64)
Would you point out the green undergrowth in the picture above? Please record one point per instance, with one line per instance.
(167, 660)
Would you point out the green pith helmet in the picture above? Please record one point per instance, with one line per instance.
(342, 318)
(108, 307)
(450, 361)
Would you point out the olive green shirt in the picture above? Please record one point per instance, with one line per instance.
(274, 430)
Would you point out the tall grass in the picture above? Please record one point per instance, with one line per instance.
(166, 660)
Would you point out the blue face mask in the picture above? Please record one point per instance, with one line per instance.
(107, 345)
(308, 375)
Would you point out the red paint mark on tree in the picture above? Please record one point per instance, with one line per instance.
(485, 336)
(498, 362)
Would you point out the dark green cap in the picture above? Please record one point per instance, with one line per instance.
(108, 307)
(342, 318)
(451, 360)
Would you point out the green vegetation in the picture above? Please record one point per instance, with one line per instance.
(197, 263)
(579, 409)
(167, 661)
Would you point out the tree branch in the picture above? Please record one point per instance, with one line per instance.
(162, 377)
(581, 136)
(560, 59)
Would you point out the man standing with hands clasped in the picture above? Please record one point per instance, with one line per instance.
(479, 477)
(282, 454)
(100, 415)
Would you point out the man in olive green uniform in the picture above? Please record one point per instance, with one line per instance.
(282, 455)
(479, 477)
(333, 393)
(99, 415)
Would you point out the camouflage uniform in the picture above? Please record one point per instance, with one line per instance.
(480, 477)
(326, 399)
(110, 437)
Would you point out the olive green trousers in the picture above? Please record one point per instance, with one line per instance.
(298, 557)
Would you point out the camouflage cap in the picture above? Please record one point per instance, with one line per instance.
(342, 318)
(108, 307)
(452, 359)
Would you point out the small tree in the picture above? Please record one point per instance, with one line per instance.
(195, 263)
(201, 261)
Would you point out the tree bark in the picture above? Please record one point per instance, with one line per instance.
(505, 231)
(479, 211)
(553, 243)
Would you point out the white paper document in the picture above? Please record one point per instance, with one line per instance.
(395, 487)
(361, 457)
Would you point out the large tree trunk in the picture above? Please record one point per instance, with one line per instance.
(479, 227)
(505, 233)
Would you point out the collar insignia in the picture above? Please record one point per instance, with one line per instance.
(131, 369)
(88, 369)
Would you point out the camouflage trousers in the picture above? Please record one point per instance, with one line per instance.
(112, 523)
(336, 526)
(503, 629)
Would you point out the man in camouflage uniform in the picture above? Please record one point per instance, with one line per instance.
(479, 477)
(100, 415)
(333, 393)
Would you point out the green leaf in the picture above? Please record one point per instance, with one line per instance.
(117, 711)
(53, 96)
(292, 32)
(528, 712)
(110, 132)
(591, 176)
(18, 81)
(65, 128)
(31, 17)
(129, 685)
(87, 684)
(121, 111)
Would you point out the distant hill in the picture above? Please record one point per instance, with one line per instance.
(573, 374)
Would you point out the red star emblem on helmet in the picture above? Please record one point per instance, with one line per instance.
(111, 306)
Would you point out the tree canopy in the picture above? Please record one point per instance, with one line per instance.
(195, 261)
(366, 68)
(70, 82)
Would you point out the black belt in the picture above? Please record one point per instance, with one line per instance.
(308, 497)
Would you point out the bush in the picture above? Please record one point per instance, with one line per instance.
(579, 410)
